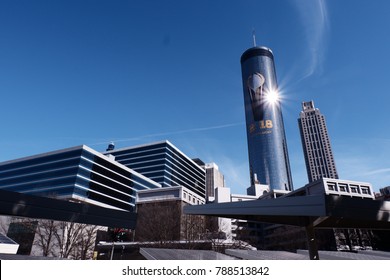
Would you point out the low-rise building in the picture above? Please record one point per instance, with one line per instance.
(78, 174)
(161, 218)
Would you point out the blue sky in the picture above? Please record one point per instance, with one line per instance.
(133, 72)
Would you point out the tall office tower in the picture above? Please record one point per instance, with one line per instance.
(267, 147)
(316, 145)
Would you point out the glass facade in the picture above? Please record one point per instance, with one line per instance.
(79, 174)
(267, 147)
(165, 164)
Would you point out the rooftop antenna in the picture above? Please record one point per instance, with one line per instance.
(254, 37)
(110, 147)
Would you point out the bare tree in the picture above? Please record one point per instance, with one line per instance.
(67, 236)
(159, 222)
(76, 241)
(52, 238)
(85, 242)
(193, 228)
(45, 237)
(219, 233)
(63, 239)
(4, 224)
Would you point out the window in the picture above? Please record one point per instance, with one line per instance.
(354, 189)
(343, 187)
(331, 186)
(365, 190)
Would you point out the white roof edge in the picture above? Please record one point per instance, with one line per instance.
(244, 196)
(42, 154)
(347, 181)
(161, 189)
(134, 147)
(183, 188)
(324, 179)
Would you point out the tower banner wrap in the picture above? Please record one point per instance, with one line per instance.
(267, 146)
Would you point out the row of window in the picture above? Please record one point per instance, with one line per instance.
(153, 161)
(175, 178)
(74, 172)
(99, 197)
(165, 165)
(44, 187)
(167, 174)
(125, 173)
(159, 148)
(193, 168)
(346, 188)
(38, 176)
(9, 171)
(191, 198)
(28, 163)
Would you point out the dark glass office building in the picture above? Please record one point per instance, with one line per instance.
(267, 147)
(165, 164)
(77, 174)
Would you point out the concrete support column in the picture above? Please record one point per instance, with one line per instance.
(312, 242)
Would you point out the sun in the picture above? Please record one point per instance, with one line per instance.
(272, 96)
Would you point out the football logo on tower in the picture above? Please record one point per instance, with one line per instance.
(255, 85)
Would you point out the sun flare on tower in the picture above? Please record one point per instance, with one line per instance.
(272, 97)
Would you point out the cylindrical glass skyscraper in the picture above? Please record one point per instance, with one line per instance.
(267, 147)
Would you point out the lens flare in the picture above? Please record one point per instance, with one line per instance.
(272, 97)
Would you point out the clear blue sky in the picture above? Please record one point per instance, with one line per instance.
(90, 72)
